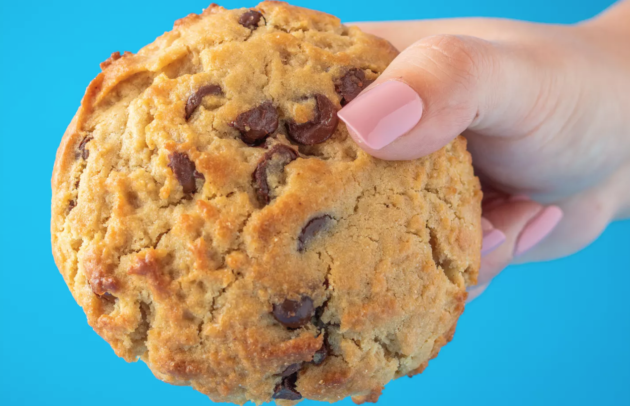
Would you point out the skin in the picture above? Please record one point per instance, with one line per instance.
(546, 111)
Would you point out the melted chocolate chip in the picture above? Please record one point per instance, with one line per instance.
(351, 84)
(311, 229)
(250, 19)
(291, 369)
(195, 99)
(271, 164)
(71, 205)
(102, 285)
(108, 297)
(294, 314)
(286, 389)
(320, 355)
(256, 124)
(318, 129)
(85, 153)
(185, 172)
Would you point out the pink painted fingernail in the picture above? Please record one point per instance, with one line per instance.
(475, 291)
(383, 113)
(537, 229)
(491, 241)
(486, 225)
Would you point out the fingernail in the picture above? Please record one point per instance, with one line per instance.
(475, 291)
(383, 113)
(486, 225)
(537, 229)
(491, 240)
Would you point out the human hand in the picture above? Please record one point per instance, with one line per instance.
(545, 109)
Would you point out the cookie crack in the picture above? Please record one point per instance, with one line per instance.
(75, 265)
(213, 306)
(140, 335)
(387, 352)
(441, 260)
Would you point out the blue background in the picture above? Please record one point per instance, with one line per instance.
(556, 333)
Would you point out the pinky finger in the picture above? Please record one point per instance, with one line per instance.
(524, 223)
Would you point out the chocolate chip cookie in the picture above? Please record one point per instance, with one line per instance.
(214, 219)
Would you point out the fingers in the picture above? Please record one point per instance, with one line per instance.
(475, 291)
(523, 225)
(439, 87)
(492, 237)
(586, 215)
(535, 232)
(402, 34)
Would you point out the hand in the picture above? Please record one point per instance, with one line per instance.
(545, 109)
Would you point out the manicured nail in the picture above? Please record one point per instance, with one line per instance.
(383, 113)
(537, 229)
(486, 225)
(491, 240)
(475, 291)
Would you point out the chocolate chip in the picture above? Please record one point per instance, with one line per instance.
(318, 129)
(250, 19)
(195, 99)
(294, 314)
(71, 205)
(256, 124)
(291, 369)
(101, 284)
(85, 153)
(320, 355)
(286, 389)
(351, 84)
(311, 229)
(150, 267)
(271, 165)
(108, 297)
(185, 172)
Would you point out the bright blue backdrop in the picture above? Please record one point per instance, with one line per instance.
(556, 333)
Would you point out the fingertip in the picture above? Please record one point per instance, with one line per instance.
(486, 225)
(492, 239)
(475, 291)
(381, 114)
(509, 218)
(537, 229)
(415, 107)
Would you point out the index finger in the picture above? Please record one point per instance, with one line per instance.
(402, 34)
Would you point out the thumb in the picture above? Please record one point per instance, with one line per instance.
(439, 87)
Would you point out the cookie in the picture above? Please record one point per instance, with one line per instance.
(214, 219)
